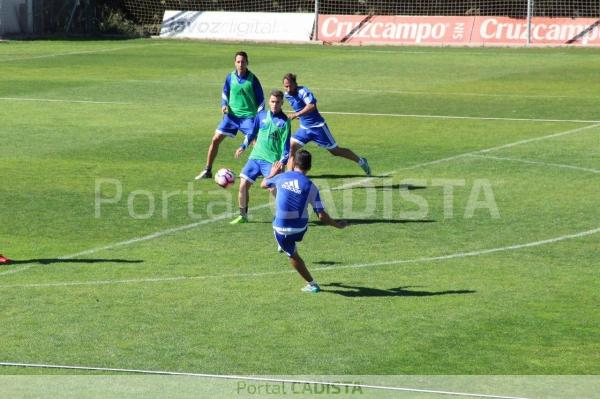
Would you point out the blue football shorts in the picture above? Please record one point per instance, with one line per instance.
(320, 135)
(255, 168)
(287, 242)
(230, 125)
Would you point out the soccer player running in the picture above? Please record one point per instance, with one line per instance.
(312, 125)
(242, 98)
(293, 192)
(270, 153)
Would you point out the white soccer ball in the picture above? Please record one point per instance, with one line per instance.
(225, 177)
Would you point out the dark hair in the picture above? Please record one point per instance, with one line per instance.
(277, 93)
(303, 160)
(242, 53)
(290, 77)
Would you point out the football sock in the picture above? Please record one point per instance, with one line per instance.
(244, 211)
(361, 161)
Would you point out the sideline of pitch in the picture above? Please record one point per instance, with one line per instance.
(256, 378)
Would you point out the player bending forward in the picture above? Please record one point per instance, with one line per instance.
(293, 192)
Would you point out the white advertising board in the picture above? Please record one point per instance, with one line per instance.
(253, 26)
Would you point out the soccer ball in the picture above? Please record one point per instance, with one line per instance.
(225, 177)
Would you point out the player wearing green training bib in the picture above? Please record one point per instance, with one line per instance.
(270, 153)
(242, 98)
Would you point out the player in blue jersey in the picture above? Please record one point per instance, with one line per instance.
(293, 192)
(242, 99)
(312, 125)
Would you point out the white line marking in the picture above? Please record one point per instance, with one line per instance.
(466, 154)
(503, 146)
(484, 118)
(452, 94)
(35, 57)
(551, 136)
(191, 226)
(320, 269)
(558, 165)
(50, 100)
(253, 378)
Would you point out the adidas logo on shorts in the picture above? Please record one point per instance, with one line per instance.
(292, 185)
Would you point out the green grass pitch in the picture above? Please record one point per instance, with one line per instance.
(473, 251)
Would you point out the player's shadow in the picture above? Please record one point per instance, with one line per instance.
(397, 186)
(326, 262)
(352, 221)
(331, 176)
(354, 291)
(48, 261)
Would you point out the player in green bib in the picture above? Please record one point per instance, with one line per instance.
(270, 153)
(242, 98)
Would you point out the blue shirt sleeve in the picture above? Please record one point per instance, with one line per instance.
(225, 94)
(286, 145)
(258, 92)
(308, 97)
(249, 138)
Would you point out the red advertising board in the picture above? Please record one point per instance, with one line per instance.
(431, 30)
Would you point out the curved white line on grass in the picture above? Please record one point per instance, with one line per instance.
(470, 153)
(557, 165)
(328, 268)
(50, 100)
(484, 118)
(254, 378)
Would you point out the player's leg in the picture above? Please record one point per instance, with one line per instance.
(248, 176)
(244, 198)
(324, 138)
(288, 244)
(344, 153)
(299, 140)
(227, 128)
(298, 264)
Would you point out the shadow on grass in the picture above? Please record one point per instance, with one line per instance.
(326, 262)
(47, 261)
(396, 186)
(376, 221)
(330, 176)
(358, 291)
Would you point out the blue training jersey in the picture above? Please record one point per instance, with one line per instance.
(298, 101)
(294, 192)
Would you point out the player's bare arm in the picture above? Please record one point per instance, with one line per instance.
(325, 218)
